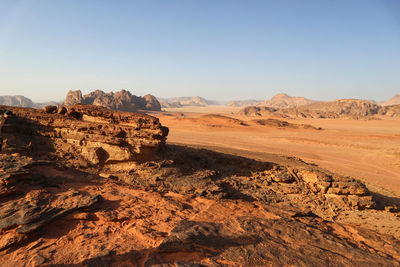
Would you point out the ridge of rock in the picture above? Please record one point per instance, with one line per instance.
(342, 108)
(85, 134)
(122, 100)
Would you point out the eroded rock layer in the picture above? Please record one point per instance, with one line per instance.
(182, 211)
(343, 108)
(85, 134)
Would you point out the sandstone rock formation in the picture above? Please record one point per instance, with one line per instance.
(86, 133)
(17, 100)
(391, 111)
(258, 111)
(277, 101)
(283, 124)
(73, 97)
(166, 104)
(393, 101)
(22, 101)
(343, 108)
(152, 102)
(122, 100)
(189, 207)
(285, 101)
(194, 101)
(243, 103)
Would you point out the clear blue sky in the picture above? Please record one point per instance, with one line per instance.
(219, 49)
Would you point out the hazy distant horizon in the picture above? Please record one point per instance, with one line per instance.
(161, 97)
(220, 50)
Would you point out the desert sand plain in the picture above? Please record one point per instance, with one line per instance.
(366, 149)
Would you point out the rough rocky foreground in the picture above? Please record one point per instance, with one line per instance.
(180, 207)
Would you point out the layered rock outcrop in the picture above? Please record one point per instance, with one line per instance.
(122, 100)
(188, 207)
(344, 108)
(85, 134)
(204, 173)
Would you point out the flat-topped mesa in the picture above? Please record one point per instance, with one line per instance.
(84, 134)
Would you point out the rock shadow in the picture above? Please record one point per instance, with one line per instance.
(191, 160)
(386, 202)
(26, 136)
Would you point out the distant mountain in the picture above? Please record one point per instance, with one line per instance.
(393, 101)
(285, 101)
(22, 101)
(277, 101)
(353, 108)
(43, 104)
(244, 103)
(195, 101)
(16, 100)
(122, 100)
(342, 108)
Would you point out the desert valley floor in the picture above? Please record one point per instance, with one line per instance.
(90, 186)
(366, 149)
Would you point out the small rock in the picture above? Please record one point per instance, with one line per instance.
(283, 178)
(37, 260)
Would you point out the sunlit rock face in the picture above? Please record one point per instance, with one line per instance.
(86, 134)
(122, 100)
